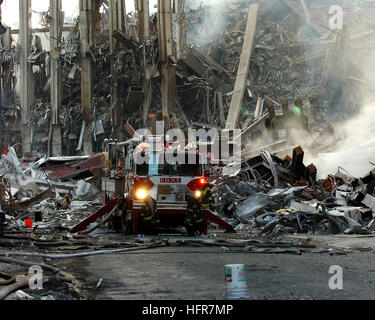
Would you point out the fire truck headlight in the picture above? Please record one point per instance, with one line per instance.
(197, 194)
(141, 194)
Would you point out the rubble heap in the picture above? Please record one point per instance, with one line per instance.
(275, 196)
(291, 58)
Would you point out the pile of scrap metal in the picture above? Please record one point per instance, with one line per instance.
(295, 55)
(70, 112)
(126, 76)
(274, 195)
(289, 59)
(27, 190)
(283, 66)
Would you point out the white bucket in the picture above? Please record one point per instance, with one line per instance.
(235, 281)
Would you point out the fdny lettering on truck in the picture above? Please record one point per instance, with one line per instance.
(170, 180)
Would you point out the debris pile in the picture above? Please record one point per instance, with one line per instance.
(289, 57)
(276, 196)
(292, 58)
(55, 207)
(70, 113)
(42, 187)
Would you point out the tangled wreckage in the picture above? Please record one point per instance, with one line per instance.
(268, 68)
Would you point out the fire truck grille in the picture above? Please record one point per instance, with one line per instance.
(171, 205)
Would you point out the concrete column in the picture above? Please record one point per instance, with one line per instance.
(27, 93)
(56, 24)
(272, 120)
(285, 108)
(117, 21)
(142, 6)
(243, 68)
(165, 51)
(286, 115)
(6, 90)
(86, 76)
(181, 37)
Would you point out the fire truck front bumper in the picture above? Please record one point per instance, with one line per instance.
(163, 207)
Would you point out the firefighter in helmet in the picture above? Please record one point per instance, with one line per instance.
(149, 214)
(194, 217)
(207, 201)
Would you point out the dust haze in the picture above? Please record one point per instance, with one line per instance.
(356, 142)
(357, 149)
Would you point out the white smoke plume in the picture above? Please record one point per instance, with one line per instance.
(357, 149)
(355, 152)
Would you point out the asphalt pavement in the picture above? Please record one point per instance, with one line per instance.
(197, 273)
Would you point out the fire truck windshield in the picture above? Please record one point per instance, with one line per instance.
(157, 165)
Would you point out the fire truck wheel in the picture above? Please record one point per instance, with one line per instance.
(126, 225)
(116, 224)
(195, 230)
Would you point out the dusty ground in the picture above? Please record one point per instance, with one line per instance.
(360, 242)
(198, 273)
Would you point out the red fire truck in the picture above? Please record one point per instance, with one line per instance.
(149, 186)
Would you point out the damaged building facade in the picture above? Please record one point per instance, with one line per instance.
(289, 59)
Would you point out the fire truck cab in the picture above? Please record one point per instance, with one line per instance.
(162, 188)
